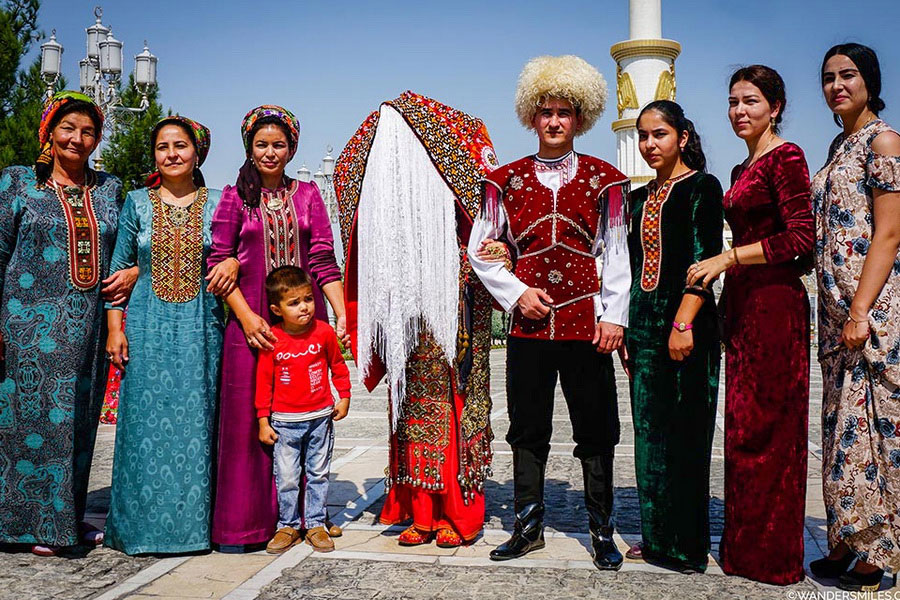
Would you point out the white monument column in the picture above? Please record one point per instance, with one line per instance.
(645, 71)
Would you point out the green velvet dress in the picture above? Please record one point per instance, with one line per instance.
(673, 403)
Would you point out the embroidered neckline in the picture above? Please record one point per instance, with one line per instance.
(280, 231)
(276, 200)
(176, 248)
(177, 215)
(555, 161)
(90, 181)
(82, 234)
(651, 230)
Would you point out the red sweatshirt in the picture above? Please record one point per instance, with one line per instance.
(293, 377)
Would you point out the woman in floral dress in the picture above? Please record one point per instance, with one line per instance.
(855, 199)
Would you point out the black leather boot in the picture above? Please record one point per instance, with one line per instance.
(527, 536)
(598, 499)
(528, 481)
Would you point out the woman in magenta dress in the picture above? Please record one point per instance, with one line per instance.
(265, 221)
(766, 336)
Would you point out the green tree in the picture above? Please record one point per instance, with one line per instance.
(18, 29)
(127, 154)
(21, 90)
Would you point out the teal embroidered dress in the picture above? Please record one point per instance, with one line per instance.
(163, 469)
(52, 257)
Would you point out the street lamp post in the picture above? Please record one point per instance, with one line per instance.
(324, 180)
(100, 72)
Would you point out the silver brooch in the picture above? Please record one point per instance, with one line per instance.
(516, 182)
(554, 276)
(595, 181)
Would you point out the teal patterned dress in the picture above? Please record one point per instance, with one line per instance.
(55, 373)
(163, 469)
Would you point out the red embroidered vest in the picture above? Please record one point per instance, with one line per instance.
(555, 236)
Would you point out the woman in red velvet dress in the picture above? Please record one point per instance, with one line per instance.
(767, 338)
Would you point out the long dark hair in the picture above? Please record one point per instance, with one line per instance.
(43, 170)
(672, 113)
(769, 83)
(249, 183)
(197, 176)
(866, 62)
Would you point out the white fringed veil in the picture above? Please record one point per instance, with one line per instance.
(408, 255)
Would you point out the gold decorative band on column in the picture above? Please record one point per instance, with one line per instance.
(641, 179)
(624, 124)
(669, 49)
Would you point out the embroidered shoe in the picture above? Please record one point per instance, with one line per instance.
(447, 538)
(413, 537)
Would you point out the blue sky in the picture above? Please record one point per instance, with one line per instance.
(334, 62)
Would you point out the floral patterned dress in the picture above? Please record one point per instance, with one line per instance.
(861, 405)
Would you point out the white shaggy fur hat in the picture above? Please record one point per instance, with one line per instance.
(567, 77)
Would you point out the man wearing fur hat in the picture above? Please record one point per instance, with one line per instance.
(562, 216)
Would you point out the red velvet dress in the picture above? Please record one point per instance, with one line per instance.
(767, 370)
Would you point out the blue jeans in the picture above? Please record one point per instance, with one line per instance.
(303, 448)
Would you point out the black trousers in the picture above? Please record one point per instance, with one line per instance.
(588, 384)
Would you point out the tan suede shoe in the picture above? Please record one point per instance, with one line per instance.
(282, 541)
(318, 538)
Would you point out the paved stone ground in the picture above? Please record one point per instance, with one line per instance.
(364, 580)
(368, 563)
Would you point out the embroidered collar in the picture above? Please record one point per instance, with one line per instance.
(554, 162)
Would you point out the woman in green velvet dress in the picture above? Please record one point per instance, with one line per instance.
(672, 339)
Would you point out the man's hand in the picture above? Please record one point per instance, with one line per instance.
(341, 408)
(608, 337)
(267, 435)
(534, 303)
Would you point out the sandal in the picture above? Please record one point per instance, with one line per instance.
(447, 538)
(636, 552)
(413, 537)
(42, 550)
(90, 535)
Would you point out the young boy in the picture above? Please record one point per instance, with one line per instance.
(292, 389)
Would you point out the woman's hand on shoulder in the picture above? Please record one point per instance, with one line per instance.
(223, 277)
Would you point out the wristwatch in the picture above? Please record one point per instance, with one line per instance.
(682, 327)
